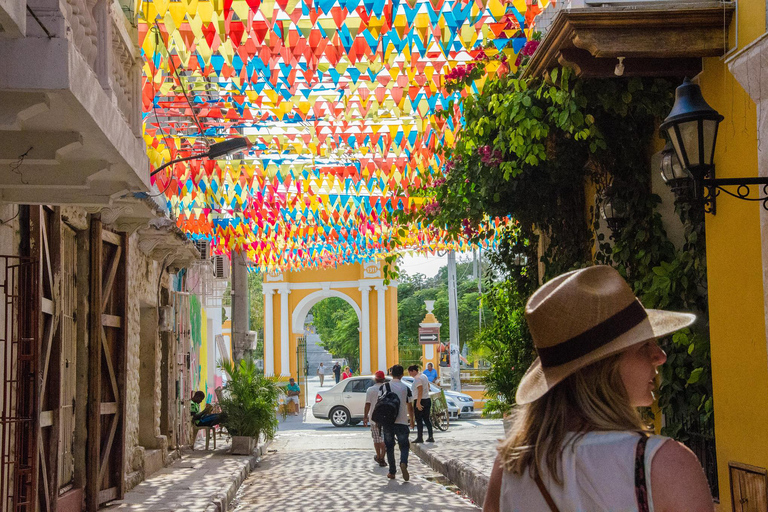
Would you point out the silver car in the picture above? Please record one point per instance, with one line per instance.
(344, 403)
(458, 403)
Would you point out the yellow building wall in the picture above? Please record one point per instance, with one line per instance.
(735, 275)
(347, 273)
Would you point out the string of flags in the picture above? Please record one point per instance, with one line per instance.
(344, 104)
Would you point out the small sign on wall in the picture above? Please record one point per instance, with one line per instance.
(429, 335)
(371, 269)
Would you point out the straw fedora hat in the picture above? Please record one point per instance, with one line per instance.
(581, 317)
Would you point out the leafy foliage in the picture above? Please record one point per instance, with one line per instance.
(249, 400)
(528, 149)
(413, 290)
(337, 324)
(506, 344)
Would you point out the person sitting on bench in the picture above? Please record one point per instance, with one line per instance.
(204, 418)
(292, 395)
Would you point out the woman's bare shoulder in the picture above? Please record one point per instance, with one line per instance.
(677, 480)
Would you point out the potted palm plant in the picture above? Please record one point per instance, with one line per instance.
(248, 402)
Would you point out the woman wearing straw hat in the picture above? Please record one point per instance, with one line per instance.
(579, 443)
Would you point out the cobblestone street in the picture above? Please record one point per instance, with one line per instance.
(317, 466)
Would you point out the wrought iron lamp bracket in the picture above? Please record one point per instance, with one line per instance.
(712, 187)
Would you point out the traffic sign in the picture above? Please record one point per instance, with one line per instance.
(429, 335)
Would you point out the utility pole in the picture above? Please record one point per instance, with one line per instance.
(241, 340)
(480, 289)
(453, 321)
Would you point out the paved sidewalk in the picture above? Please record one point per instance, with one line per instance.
(464, 454)
(201, 481)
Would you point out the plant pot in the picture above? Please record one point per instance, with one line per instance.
(242, 445)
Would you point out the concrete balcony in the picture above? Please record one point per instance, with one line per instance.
(70, 103)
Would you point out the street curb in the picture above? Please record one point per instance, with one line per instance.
(469, 480)
(223, 499)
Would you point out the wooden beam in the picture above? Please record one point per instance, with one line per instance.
(54, 370)
(92, 495)
(586, 66)
(663, 31)
(112, 238)
(121, 351)
(111, 321)
(108, 408)
(106, 291)
(46, 419)
(46, 306)
(656, 43)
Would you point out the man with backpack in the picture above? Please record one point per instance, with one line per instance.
(394, 412)
(371, 397)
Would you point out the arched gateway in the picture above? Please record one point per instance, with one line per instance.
(361, 285)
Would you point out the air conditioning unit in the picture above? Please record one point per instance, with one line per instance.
(221, 267)
(204, 247)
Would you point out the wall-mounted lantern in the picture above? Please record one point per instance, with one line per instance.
(613, 210)
(691, 128)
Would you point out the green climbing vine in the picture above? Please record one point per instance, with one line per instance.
(532, 149)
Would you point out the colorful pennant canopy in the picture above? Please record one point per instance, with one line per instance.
(340, 100)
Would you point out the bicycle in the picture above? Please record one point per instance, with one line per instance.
(439, 415)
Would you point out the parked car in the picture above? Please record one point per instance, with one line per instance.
(458, 403)
(344, 403)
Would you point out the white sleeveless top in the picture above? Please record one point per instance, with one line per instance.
(598, 473)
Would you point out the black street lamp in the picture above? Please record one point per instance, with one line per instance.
(691, 128)
(674, 174)
(613, 210)
(217, 150)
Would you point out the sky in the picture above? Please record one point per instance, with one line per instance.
(428, 264)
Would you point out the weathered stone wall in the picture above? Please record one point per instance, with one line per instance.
(143, 275)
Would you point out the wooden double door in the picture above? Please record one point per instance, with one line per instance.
(82, 362)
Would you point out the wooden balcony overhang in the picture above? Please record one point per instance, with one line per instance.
(654, 40)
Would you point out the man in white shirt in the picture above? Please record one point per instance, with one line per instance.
(371, 396)
(400, 429)
(321, 373)
(423, 403)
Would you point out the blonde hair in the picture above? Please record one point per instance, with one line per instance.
(591, 399)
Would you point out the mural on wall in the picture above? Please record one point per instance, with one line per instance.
(226, 333)
(197, 357)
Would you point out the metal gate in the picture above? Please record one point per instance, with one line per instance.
(19, 330)
(302, 366)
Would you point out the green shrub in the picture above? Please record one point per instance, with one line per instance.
(249, 400)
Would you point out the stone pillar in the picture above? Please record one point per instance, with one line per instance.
(365, 330)
(269, 334)
(285, 346)
(381, 334)
(241, 341)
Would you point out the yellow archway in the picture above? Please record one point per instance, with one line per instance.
(361, 285)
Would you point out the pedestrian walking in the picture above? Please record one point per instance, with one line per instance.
(347, 373)
(394, 412)
(321, 373)
(422, 404)
(371, 396)
(578, 442)
(337, 371)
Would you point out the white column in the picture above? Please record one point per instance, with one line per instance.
(382, 327)
(365, 330)
(269, 335)
(285, 347)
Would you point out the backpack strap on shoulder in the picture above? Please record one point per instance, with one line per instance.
(641, 486)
